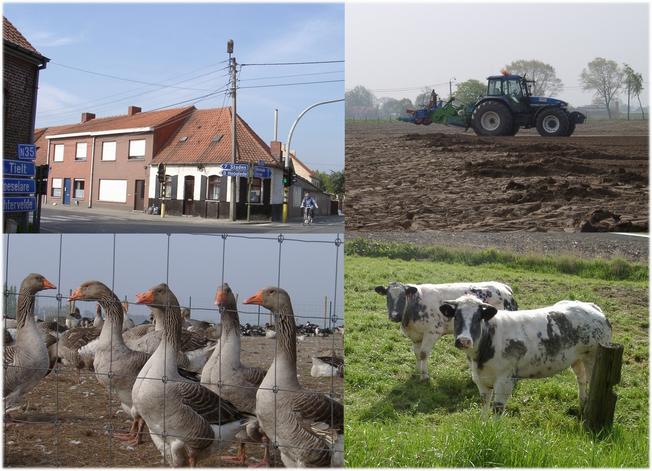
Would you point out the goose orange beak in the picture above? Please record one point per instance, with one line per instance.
(47, 284)
(75, 295)
(255, 299)
(145, 298)
(220, 297)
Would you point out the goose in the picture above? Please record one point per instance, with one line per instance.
(327, 366)
(98, 321)
(307, 426)
(239, 383)
(186, 421)
(26, 362)
(127, 323)
(10, 323)
(72, 347)
(113, 356)
(74, 319)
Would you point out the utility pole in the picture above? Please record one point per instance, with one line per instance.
(234, 139)
(450, 87)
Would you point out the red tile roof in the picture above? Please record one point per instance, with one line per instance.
(194, 142)
(42, 143)
(139, 120)
(13, 36)
(308, 169)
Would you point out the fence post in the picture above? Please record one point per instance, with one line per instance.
(325, 309)
(601, 403)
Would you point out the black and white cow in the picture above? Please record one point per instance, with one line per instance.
(503, 347)
(416, 307)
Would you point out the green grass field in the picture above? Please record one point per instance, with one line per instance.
(395, 420)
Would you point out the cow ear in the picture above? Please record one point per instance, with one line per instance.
(448, 309)
(487, 311)
(381, 290)
(410, 289)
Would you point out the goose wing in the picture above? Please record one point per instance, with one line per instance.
(318, 407)
(204, 402)
(254, 375)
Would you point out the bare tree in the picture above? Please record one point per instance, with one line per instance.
(545, 78)
(634, 83)
(604, 77)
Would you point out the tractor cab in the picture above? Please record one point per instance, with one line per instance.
(508, 85)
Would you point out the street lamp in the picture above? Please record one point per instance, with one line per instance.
(287, 152)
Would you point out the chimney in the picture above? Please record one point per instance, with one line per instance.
(133, 110)
(275, 149)
(87, 117)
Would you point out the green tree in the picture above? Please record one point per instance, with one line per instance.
(605, 78)
(358, 102)
(332, 182)
(634, 84)
(469, 91)
(545, 78)
(337, 182)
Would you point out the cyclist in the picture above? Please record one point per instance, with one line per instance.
(310, 204)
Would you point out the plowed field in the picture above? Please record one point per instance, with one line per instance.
(405, 177)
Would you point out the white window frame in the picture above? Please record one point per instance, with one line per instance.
(137, 143)
(81, 155)
(58, 152)
(74, 190)
(103, 196)
(57, 184)
(108, 158)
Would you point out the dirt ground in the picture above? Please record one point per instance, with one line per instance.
(85, 414)
(405, 177)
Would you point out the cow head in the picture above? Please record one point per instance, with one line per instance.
(470, 315)
(399, 297)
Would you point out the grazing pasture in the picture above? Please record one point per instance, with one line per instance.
(393, 419)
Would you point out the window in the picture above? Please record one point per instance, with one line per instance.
(213, 188)
(108, 150)
(256, 195)
(78, 189)
(58, 152)
(80, 154)
(168, 187)
(114, 191)
(137, 149)
(513, 87)
(495, 88)
(56, 187)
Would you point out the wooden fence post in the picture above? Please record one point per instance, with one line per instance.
(601, 403)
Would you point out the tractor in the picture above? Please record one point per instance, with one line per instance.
(506, 107)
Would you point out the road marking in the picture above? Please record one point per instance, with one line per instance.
(633, 234)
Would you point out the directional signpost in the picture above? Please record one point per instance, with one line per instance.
(19, 182)
(261, 171)
(235, 170)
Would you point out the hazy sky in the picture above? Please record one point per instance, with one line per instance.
(167, 43)
(390, 46)
(308, 269)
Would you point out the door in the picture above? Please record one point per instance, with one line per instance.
(66, 191)
(139, 195)
(188, 194)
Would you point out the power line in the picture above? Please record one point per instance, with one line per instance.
(196, 100)
(115, 77)
(292, 75)
(294, 63)
(291, 84)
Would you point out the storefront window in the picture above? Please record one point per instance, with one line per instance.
(213, 192)
(256, 195)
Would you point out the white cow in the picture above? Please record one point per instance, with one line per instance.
(416, 307)
(503, 347)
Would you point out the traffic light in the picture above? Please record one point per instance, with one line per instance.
(293, 177)
(286, 177)
(161, 173)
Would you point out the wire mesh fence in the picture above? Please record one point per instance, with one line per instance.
(76, 413)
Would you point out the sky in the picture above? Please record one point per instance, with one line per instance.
(390, 46)
(310, 270)
(169, 43)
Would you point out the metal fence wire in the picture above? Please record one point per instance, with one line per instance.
(57, 426)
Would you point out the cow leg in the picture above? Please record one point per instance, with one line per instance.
(582, 381)
(416, 348)
(426, 348)
(502, 392)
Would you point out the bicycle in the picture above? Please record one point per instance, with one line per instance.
(307, 216)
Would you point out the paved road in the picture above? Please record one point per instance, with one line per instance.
(84, 220)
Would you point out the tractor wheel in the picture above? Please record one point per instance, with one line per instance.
(515, 129)
(553, 122)
(492, 118)
(427, 121)
(571, 129)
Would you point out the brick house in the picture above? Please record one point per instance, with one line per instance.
(22, 64)
(105, 162)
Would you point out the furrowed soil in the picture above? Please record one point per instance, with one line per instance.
(85, 414)
(405, 177)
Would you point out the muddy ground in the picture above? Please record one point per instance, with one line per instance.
(85, 413)
(405, 177)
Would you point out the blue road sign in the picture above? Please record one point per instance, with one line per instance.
(261, 171)
(19, 204)
(18, 185)
(236, 167)
(16, 168)
(234, 173)
(26, 151)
